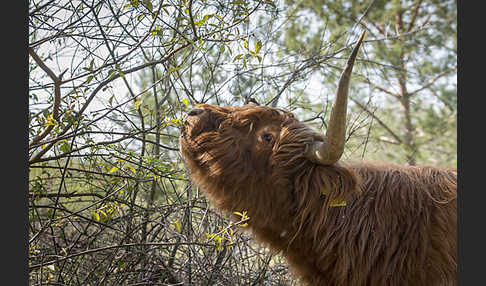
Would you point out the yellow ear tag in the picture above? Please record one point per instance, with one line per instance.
(335, 203)
(338, 203)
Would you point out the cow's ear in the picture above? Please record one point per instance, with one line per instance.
(251, 101)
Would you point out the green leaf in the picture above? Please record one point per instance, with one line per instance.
(243, 216)
(237, 57)
(270, 2)
(131, 169)
(258, 45)
(103, 213)
(173, 69)
(203, 20)
(148, 4)
(90, 68)
(177, 225)
(66, 147)
(90, 78)
(137, 103)
(155, 31)
(140, 17)
(113, 169)
(112, 73)
(238, 213)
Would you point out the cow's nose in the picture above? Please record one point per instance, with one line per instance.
(195, 111)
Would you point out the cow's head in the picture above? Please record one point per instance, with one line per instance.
(250, 138)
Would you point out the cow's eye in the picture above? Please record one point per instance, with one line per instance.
(267, 137)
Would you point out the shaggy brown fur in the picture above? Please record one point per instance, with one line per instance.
(399, 226)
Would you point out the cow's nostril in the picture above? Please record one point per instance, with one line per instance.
(195, 111)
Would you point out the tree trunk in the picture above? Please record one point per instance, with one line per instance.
(409, 137)
(405, 101)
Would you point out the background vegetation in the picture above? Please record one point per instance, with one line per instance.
(110, 200)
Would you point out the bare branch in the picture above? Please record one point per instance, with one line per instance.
(414, 17)
(433, 80)
(372, 114)
(57, 95)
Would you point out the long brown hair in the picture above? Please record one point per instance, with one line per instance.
(395, 225)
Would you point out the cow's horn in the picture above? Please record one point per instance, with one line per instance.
(329, 151)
